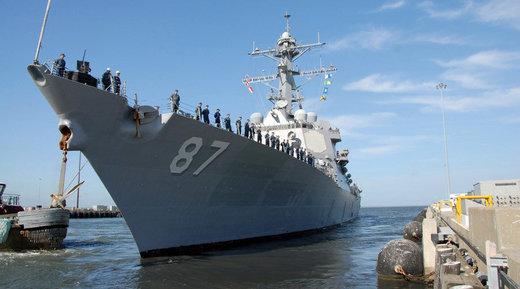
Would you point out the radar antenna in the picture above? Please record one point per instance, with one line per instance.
(285, 53)
(287, 16)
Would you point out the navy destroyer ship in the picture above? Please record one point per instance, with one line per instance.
(183, 185)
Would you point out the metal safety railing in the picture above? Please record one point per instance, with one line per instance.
(458, 206)
(450, 203)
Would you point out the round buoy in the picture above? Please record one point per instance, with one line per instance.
(421, 216)
(413, 231)
(400, 253)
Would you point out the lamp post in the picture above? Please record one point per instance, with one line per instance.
(39, 187)
(441, 86)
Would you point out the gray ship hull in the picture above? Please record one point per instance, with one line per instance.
(185, 184)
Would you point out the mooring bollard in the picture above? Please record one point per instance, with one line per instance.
(440, 251)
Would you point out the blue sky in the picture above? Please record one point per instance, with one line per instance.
(389, 55)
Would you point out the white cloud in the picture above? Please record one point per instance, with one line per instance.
(488, 59)
(439, 39)
(435, 12)
(500, 11)
(376, 38)
(505, 12)
(467, 79)
(492, 99)
(383, 83)
(474, 71)
(392, 6)
(348, 124)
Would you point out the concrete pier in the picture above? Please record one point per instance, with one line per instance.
(485, 243)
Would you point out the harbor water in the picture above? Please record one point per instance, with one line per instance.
(100, 253)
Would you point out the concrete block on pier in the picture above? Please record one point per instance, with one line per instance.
(429, 227)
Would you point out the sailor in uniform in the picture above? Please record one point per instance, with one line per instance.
(266, 137)
(198, 111)
(217, 118)
(60, 65)
(252, 131)
(227, 123)
(272, 140)
(246, 129)
(259, 136)
(175, 99)
(277, 142)
(117, 83)
(205, 114)
(238, 125)
(106, 79)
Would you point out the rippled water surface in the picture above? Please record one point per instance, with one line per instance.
(100, 253)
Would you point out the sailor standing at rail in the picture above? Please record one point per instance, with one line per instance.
(238, 125)
(117, 83)
(217, 117)
(175, 100)
(266, 137)
(60, 65)
(205, 114)
(227, 123)
(106, 80)
(277, 142)
(259, 136)
(252, 131)
(246, 129)
(198, 111)
(273, 140)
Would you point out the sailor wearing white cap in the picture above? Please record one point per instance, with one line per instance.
(117, 83)
(106, 80)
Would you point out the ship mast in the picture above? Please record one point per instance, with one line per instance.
(286, 52)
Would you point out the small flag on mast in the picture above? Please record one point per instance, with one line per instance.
(249, 87)
(327, 82)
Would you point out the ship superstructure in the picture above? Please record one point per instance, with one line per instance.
(300, 128)
(183, 185)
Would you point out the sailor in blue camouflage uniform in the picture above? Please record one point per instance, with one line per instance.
(238, 125)
(175, 100)
(106, 79)
(60, 65)
(117, 83)
(246, 129)
(227, 123)
(252, 131)
(273, 140)
(217, 117)
(205, 114)
(259, 136)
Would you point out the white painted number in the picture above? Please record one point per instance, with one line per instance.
(222, 146)
(189, 149)
(185, 157)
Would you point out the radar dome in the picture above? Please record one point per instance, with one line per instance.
(256, 118)
(300, 115)
(286, 35)
(312, 117)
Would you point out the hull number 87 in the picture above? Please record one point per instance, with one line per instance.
(182, 161)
